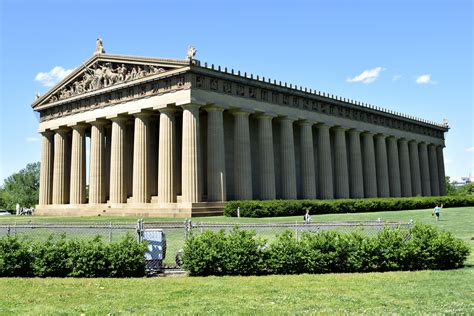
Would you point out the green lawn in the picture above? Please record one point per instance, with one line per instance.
(427, 292)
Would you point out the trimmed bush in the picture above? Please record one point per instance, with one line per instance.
(61, 257)
(240, 252)
(15, 257)
(276, 208)
(217, 253)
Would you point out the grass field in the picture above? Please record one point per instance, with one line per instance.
(430, 292)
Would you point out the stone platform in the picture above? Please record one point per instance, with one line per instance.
(171, 210)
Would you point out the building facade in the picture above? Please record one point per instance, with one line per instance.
(176, 138)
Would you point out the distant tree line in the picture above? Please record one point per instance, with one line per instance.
(21, 187)
(462, 190)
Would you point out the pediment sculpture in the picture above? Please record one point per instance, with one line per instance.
(104, 74)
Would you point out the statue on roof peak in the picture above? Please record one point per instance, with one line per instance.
(191, 52)
(99, 48)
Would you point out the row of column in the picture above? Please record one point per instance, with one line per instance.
(339, 163)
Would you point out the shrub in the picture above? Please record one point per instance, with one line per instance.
(54, 258)
(15, 257)
(298, 207)
(61, 257)
(422, 247)
(217, 253)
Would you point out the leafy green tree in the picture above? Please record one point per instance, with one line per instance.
(22, 187)
(467, 189)
(450, 188)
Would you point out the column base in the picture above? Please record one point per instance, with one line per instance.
(171, 210)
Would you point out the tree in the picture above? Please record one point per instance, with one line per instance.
(22, 187)
(450, 188)
(467, 189)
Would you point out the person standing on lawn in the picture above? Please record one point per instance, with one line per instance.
(436, 212)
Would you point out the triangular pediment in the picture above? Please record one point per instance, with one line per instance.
(105, 70)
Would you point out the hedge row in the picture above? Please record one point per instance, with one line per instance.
(241, 253)
(61, 257)
(272, 208)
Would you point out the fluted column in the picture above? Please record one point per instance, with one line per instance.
(141, 155)
(216, 185)
(191, 192)
(46, 173)
(424, 169)
(356, 175)
(167, 156)
(97, 178)
(118, 185)
(266, 160)
(288, 166)
(381, 162)
(341, 171)
(441, 173)
(405, 168)
(60, 176)
(325, 183)
(368, 164)
(415, 168)
(393, 167)
(308, 177)
(242, 157)
(434, 177)
(78, 165)
(108, 150)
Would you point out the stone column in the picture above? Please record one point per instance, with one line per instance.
(167, 156)
(216, 185)
(434, 176)
(368, 164)
(441, 173)
(108, 149)
(393, 167)
(381, 162)
(341, 172)
(266, 160)
(424, 169)
(60, 176)
(288, 166)
(118, 186)
(141, 155)
(405, 169)
(356, 175)
(415, 168)
(191, 192)
(308, 176)
(78, 165)
(242, 157)
(46, 173)
(97, 178)
(325, 184)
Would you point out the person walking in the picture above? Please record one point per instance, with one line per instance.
(436, 212)
(307, 217)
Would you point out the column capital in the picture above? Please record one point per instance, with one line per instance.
(403, 140)
(265, 115)
(61, 130)
(323, 126)
(47, 133)
(191, 106)
(367, 133)
(118, 119)
(391, 137)
(142, 114)
(240, 112)
(78, 126)
(380, 135)
(354, 131)
(287, 119)
(339, 128)
(213, 108)
(98, 122)
(304, 122)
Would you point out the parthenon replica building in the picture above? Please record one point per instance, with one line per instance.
(177, 138)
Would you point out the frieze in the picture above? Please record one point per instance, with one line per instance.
(104, 74)
(125, 94)
(299, 101)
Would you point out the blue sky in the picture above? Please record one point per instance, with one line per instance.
(372, 51)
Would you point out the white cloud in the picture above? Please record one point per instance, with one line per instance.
(423, 79)
(367, 76)
(448, 161)
(396, 77)
(470, 149)
(49, 79)
(32, 139)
